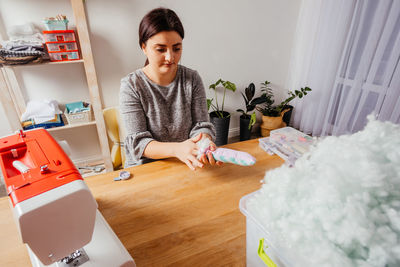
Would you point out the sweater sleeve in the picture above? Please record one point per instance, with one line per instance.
(200, 117)
(134, 120)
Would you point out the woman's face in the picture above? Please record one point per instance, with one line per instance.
(163, 50)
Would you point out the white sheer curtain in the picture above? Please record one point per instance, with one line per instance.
(348, 52)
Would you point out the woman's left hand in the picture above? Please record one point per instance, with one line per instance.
(208, 157)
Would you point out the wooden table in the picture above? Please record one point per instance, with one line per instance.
(168, 215)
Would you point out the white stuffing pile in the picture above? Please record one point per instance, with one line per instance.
(340, 204)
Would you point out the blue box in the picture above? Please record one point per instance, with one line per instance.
(56, 25)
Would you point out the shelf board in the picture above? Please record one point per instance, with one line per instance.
(46, 63)
(71, 126)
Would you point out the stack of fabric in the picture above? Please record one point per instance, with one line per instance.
(42, 114)
(25, 46)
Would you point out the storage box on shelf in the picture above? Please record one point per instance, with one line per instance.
(61, 45)
(78, 117)
(54, 25)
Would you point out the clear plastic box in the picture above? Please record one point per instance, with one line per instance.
(261, 247)
(64, 56)
(59, 36)
(62, 47)
(292, 140)
(288, 143)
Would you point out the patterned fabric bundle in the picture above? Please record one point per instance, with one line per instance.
(9, 57)
(225, 155)
(25, 46)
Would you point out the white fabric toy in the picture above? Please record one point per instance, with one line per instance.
(225, 154)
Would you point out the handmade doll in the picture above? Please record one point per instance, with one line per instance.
(225, 154)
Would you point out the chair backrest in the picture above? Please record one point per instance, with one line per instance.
(116, 135)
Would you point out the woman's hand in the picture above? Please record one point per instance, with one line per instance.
(186, 152)
(208, 157)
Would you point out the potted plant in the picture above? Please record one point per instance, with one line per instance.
(273, 114)
(248, 120)
(219, 117)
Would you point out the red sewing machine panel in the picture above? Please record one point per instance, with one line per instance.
(32, 163)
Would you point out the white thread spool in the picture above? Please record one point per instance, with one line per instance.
(20, 166)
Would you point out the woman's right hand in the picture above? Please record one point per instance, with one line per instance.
(186, 152)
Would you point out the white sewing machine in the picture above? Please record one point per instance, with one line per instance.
(53, 208)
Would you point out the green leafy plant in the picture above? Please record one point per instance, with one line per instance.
(227, 85)
(250, 104)
(271, 110)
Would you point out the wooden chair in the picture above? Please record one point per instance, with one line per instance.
(116, 136)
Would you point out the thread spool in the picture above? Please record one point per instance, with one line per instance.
(22, 168)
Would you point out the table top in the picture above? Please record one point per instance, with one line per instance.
(167, 214)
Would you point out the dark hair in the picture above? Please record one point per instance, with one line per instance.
(158, 20)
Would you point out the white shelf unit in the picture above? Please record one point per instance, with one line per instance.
(14, 103)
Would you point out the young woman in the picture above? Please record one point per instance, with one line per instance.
(163, 105)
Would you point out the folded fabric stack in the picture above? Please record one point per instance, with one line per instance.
(55, 122)
(42, 114)
(25, 46)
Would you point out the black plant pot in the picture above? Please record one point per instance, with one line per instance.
(245, 133)
(221, 127)
(286, 117)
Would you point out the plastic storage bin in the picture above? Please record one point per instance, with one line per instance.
(59, 36)
(261, 248)
(64, 56)
(288, 143)
(62, 47)
(79, 117)
(54, 25)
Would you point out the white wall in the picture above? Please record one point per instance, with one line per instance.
(5, 128)
(240, 41)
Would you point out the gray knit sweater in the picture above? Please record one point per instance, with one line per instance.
(170, 113)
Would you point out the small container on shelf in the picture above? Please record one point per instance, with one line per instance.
(64, 56)
(54, 25)
(59, 36)
(78, 112)
(62, 47)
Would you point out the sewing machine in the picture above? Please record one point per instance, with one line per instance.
(53, 208)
